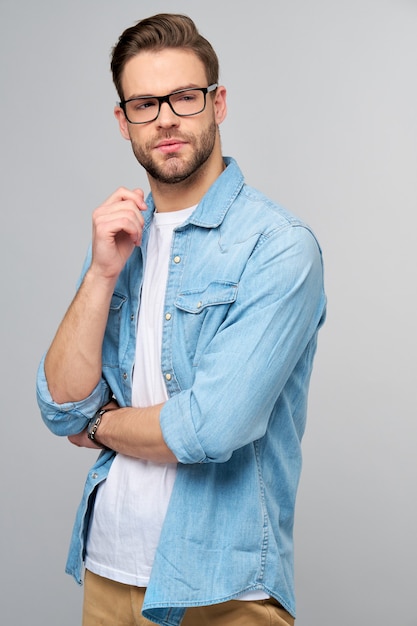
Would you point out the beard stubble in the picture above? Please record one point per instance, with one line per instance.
(175, 169)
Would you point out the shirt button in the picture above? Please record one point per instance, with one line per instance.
(132, 318)
(94, 475)
(168, 376)
(124, 376)
(199, 305)
(177, 259)
(168, 316)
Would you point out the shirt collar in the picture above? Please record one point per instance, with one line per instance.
(214, 205)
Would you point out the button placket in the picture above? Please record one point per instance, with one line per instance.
(178, 256)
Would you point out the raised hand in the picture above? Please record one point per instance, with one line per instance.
(117, 229)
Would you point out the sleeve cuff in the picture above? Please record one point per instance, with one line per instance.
(70, 417)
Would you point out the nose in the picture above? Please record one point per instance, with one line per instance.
(167, 117)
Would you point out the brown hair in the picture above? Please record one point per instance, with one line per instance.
(165, 30)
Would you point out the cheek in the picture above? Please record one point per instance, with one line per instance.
(138, 137)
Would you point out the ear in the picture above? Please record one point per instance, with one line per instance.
(219, 103)
(123, 123)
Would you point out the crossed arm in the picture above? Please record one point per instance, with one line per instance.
(74, 360)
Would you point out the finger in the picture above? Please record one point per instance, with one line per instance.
(126, 210)
(121, 207)
(111, 406)
(123, 194)
(120, 210)
(107, 224)
(143, 206)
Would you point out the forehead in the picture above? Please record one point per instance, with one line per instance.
(162, 71)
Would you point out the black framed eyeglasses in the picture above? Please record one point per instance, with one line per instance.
(184, 102)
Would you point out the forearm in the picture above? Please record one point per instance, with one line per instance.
(73, 362)
(135, 432)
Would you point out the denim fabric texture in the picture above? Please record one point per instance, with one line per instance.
(244, 302)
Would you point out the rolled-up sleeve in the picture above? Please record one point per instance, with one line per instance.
(267, 337)
(71, 417)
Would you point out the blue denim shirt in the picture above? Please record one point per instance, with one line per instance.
(244, 301)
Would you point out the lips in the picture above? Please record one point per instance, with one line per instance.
(170, 145)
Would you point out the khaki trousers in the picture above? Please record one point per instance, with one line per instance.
(109, 603)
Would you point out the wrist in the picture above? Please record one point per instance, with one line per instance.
(95, 279)
(93, 425)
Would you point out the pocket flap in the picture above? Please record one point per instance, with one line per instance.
(117, 301)
(196, 300)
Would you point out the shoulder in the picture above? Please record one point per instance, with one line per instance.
(253, 213)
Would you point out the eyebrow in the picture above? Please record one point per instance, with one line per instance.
(152, 95)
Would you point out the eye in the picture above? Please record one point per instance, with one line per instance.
(142, 104)
(185, 96)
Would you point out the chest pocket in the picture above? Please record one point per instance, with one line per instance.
(197, 300)
(112, 335)
(200, 314)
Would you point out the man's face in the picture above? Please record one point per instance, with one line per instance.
(171, 148)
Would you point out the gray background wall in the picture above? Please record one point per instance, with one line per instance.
(336, 144)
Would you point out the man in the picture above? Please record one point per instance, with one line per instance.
(186, 356)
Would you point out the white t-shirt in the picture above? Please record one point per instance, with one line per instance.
(131, 504)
